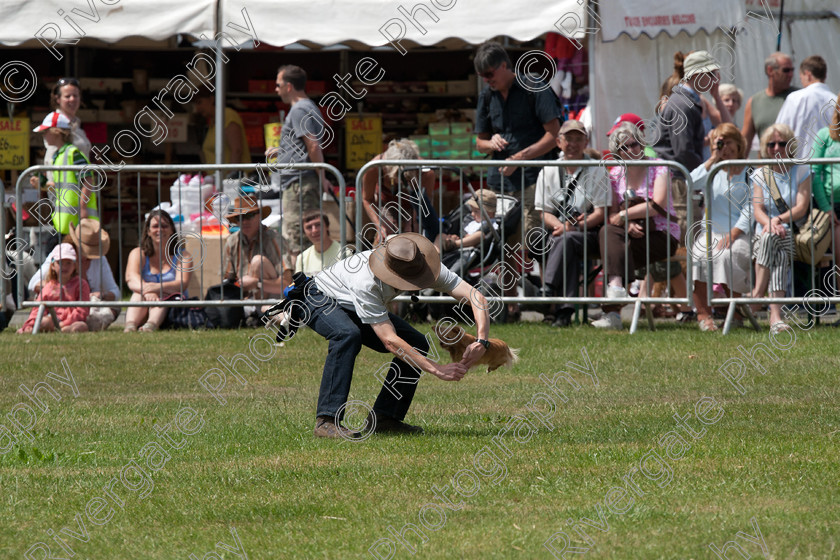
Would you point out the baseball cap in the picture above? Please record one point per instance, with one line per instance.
(573, 125)
(632, 118)
(53, 120)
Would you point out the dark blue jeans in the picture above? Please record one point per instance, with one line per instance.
(346, 334)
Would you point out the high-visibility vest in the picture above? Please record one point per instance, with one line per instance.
(67, 194)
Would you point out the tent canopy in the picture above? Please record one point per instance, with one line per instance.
(39, 22)
(378, 23)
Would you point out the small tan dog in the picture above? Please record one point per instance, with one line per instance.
(457, 339)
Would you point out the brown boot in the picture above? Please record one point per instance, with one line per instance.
(326, 427)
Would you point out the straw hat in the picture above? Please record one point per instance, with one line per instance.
(407, 261)
(87, 236)
(486, 197)
(246, 205)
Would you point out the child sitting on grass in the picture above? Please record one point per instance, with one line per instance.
(63, 284)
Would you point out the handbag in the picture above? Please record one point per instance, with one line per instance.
(185, 317)
(230, 317)
(812, 240)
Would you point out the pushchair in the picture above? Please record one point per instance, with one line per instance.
(473, 263)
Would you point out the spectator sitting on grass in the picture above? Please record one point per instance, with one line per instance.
(252, 254)
(93, 243)
(153, 271)
(324, 251)
(63, 284)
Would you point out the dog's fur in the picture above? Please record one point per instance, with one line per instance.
(456, 340)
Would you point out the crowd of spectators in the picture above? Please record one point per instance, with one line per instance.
(632, 219)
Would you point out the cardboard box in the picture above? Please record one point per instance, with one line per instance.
(209, 249)
(461, 87)
(436, 87)
(261, 86)
(438, 129)
(461, 127)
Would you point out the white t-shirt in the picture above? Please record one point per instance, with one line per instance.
(312, 262)
(352, 284)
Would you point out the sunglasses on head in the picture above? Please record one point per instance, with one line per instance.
(488, 74)
(66, 82)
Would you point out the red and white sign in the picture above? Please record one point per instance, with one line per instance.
(653, 17)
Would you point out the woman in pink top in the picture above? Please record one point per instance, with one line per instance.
(63, 284)
(624, 240)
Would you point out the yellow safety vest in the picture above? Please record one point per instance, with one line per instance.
(67, 194)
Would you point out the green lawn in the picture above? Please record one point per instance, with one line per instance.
(252, 463)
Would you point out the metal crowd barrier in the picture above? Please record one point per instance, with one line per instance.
(459, 166)
(732, 302)
(263, 170)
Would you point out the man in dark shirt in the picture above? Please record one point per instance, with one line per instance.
(763, 107)
(680, 129)
(517, 118)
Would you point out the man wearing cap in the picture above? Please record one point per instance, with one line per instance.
(92, 243)
(573, 202)
(347, 304)
(74, 198)
(252, 254)
(680, 130)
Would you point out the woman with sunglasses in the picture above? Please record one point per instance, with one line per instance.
(730, 220)
(773, 243)
(625, 239)
(66, 98)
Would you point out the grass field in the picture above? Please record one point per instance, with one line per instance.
(252, 463)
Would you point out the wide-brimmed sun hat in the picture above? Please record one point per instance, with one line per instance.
(407, 261)
(486, 197)
(89, 236)
(245, 205)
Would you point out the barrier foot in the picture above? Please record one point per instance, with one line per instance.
(37, 326)
(637, 310)
(56, 322)
(730, 313)
(746, 311)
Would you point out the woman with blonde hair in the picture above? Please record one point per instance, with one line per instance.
(390, 194)
(722, 242)
(776, 215)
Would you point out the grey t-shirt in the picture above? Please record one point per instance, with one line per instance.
(352, 284)
(304, 119)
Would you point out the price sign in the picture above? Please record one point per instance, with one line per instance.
(363, 139)
(272, 134)
(177, 128)
(14, 143)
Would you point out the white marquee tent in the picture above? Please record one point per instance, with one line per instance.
(631, 42)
